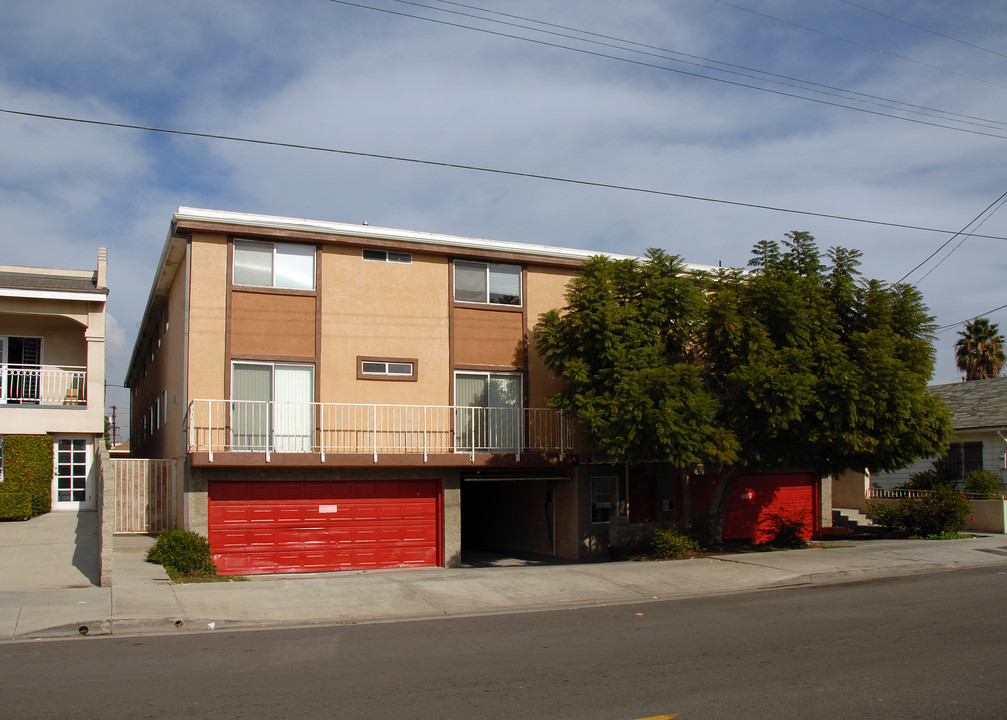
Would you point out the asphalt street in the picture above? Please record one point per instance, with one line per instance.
(920, 646)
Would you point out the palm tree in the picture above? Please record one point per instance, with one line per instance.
(980, 350)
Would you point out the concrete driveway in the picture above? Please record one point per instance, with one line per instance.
(52, 551)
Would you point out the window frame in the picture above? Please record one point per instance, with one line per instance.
(277, 251)
(488, 283)
(386, 376)
(387, 256)
(274, 422)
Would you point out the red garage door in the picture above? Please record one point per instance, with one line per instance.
(756, 499)
(277, 527)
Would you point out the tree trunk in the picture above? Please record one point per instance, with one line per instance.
(719, 501)
(685, 487)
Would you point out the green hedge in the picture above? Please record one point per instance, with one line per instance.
(27, 470)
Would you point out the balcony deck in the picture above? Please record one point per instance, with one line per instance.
(48, 386)
(249, 433)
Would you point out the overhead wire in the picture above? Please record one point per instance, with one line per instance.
(476, 168)
(1003, 199)
(947, 242)
(762, 75)
(679, 71)
(924, 29)
(945, 328)
(855, 43)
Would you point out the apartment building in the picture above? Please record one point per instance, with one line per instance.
(347, 396)
(52, 370)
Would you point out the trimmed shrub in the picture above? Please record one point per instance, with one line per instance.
(182, 552)
(27, 473)
(670, 544)
(15, 506)
(984, 483)
(942, 510)
(786, 530)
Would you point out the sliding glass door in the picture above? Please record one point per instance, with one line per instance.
(272, 407)
(488, 414)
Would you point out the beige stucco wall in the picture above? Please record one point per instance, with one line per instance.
(381, 309)
(207, 316)
(988, 516)
(849, 490)
(546, 291)
(166, 373)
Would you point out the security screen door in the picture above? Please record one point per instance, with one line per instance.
(21, 358)
(488, 412)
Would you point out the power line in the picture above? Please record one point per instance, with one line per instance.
(1003, 198)
(855, 43)
(948, 241)
(663, 53)
(665, 68)
(476, 168)
(924, 29)
(944, 328)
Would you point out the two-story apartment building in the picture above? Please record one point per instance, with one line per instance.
(52, 370)
(348, 396)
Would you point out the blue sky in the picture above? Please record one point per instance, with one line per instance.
(323, 73)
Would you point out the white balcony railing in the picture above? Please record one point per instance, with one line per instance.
(338, 428)
(45, 385)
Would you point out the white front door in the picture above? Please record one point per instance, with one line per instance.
(71, 484)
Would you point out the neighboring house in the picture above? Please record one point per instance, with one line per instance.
(52, 365)
(980, 431)
(346, 396)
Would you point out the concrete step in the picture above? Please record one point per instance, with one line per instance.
(851, 518)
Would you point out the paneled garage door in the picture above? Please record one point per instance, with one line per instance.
(289, 526)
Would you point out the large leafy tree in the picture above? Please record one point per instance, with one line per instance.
(793, 364)
(624, 347)
(979, 350)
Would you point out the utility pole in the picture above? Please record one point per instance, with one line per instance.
(114, 428)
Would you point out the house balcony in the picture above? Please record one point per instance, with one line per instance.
(47, 386)
(249, 433)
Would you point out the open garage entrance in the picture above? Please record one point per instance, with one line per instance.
(508, 516)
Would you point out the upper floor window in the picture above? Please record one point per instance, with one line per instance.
(487, 283)
(277, 265)
(387, 256)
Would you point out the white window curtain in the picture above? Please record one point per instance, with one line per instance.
(293, 411)
(470, 282)
(295, 267)
(253, 263)
(251, 391)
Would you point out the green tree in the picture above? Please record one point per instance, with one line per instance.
(624, 348)
(794, 364)
(979, 350)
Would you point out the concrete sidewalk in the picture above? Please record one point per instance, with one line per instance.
(143, 601)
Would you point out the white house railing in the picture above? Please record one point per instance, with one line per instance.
(344, 428)
(876, 493)
(46, 385)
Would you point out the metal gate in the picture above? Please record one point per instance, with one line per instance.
(145, 494)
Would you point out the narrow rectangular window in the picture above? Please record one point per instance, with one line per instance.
(374, 368)
(387, 256)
